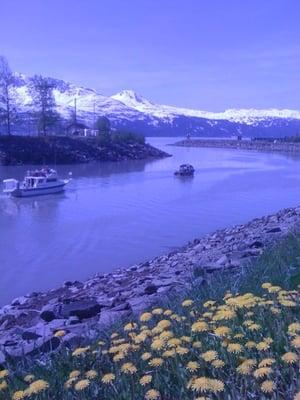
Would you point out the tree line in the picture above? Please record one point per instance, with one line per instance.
(42, 114)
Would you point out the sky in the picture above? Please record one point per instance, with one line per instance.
(204, 54)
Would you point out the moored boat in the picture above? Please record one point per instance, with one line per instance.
(36, 183)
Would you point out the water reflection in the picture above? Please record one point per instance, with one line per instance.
(116, 214)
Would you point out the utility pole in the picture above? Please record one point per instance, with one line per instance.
(94, 115)
(75, 112)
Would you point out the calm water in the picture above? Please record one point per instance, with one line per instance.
(117, 214)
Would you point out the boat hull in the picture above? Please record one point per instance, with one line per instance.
(38, 191)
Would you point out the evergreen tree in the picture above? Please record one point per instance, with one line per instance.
(41, 90)
(7, 95)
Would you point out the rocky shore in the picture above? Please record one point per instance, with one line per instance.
(82, 309)
(255, 145)
(19, 150)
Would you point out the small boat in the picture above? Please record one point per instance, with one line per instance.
(35, 183)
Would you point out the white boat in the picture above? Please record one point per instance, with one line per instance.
(35, 183)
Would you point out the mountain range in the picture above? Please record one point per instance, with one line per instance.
(129, 111)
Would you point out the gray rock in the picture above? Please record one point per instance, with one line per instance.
(82, 309)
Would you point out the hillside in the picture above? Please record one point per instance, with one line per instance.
(131, 112)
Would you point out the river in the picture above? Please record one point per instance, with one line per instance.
(117, 214)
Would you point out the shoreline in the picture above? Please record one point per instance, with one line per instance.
(37, 150)
(28, 324)
(255, 145)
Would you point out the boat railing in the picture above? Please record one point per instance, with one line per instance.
(10, 185)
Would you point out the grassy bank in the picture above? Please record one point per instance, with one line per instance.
(235, 336)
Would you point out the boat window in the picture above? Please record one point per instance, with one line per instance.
(51, 180)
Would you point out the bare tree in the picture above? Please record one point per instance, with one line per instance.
(7, 101)
(41, 90)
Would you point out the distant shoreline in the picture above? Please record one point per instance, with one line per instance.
(255, 145)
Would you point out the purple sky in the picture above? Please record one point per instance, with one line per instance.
(206, 54)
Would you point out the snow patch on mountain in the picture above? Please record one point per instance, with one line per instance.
(247, 116)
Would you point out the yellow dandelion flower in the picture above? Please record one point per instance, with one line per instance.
(146, 356)
(29, 378)
(169, 353)
(197, 344)
(216, 385)
(288, 303)
(80, 351)
(268, 386)
(209, 355)
(239, 336)
(275, 310)
(218, 363)
(74, 374)
(156, 362)
(186, 339)
(222, 331)
(296, 342)
(245, 368)
(200, 384)
(157, 311)
(225, 314)
(168, 313)
(145, 317)
(4, 373)
(37, 387)
(250, 344)
(152, 394)
(81, 385)
(209, 303)
(187, 303)
(157, 344)
(274, 289)
(128, 368)
(114, 335)
(262, 372)
(200, 326)
(290, 357)
(70, 382)
(60, 333)
(254, 327)
(166, 335)
(119, 357)
(266, 285)
(262, 346)
(163, 324)
(101, 343)
(266, 362)
(174, 342)
(145, 380)
(19, 395)
(181, 350)
(294, 328)
(108, 378)
(192, 366)
(235, 348)
(91, 374)
(3, 385)
(130, 327)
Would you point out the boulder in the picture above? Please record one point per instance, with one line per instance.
(82, 309)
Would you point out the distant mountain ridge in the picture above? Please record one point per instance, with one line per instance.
(131, 112)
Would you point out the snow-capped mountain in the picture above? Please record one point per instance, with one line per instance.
(131, 112)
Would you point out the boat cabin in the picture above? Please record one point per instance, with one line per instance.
(40, 177)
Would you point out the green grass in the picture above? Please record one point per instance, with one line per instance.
(279, 265)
